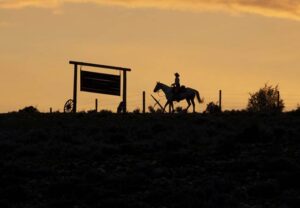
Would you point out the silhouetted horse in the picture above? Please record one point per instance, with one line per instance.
(187, 94)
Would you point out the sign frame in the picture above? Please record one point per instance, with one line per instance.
(124, 70)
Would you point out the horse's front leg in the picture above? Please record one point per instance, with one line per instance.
(167, 103)
(171, 107)
(173, 110)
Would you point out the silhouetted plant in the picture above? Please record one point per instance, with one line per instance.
(266, 99)
(159, 110)
(81, 112)
(152, 110)
(137, 111)
(29, 109)
(179, 109)
(298, 107)
(213, 108)
(105, 112)
(92, 111)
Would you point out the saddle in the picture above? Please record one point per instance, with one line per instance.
(178, 91)
(182, 89)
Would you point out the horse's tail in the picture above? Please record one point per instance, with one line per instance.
(198, 96)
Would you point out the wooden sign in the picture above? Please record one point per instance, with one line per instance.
(100, 83)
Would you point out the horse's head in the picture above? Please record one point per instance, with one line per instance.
(157, 87)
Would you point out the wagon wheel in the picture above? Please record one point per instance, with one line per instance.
(69, 106)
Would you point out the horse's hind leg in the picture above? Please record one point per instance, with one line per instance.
(189, 104)
(165, 106)
(193, 102)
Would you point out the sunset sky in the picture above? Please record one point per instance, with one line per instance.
(233, 45)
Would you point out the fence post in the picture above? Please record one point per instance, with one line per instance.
(50, 110)
(96, 105)
(144, 102)
(220, 99)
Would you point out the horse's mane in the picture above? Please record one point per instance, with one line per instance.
(163, 84)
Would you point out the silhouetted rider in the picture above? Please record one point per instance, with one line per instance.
(177, 81)
(176, 84)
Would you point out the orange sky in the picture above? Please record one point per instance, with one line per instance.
(234, 47)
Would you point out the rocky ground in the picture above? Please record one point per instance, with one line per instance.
(106, 160)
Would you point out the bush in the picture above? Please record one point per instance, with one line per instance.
(29, 109)
(266, 99)
(137, 111)
(153, 110)
(179, 109)
(106, 112)
(298, 107)
(212, 108)
(92, 111)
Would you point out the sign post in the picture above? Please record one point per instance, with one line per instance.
(75, 89)
(220, 100)
(144, 102)
(96, 105)
(124, 91)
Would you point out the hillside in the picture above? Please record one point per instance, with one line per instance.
(106, 160)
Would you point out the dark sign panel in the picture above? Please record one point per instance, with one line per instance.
(100, 83)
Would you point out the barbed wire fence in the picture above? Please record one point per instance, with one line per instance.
(232, 100)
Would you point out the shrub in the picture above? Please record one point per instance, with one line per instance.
(298, 107)
(29, 109)
(179, 109)
(92, 111)
(81, 112)
(137, 111)
(266, 99)
(153, 110)
(106, 112)
(213, 108)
